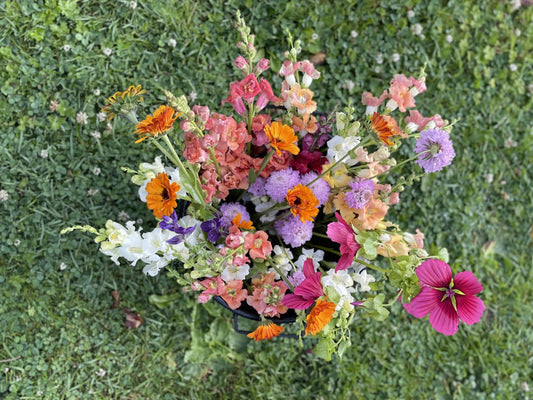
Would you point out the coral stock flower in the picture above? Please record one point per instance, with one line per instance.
(282, 137)
(242, 223)
(303, 202)
(446, 300)
(385, 127)
(266, 332)
(153, 126)
(161, 196)
(319, 316)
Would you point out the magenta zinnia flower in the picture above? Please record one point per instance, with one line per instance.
(308, 291)
(342, 233)
(446, 300)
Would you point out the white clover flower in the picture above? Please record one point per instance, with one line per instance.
(101, 116)
(416, 29)
(377, 70)
(107, 51)
(172, 42)
(314, 36)
(354, 34)
(489, 177)
(92, 192)
(66, 48)
(82, 118)
(410, 14)
(517, 32)
(509, 142)
(4, 195)
(449, 38)
(44, 153)
(54, 105)
(96, 92)
(513, 67)
(133, 5)
(395, 57)
(62, 266)
(96, 135)
(379, 58)
(193, 95)
(16, 243)
(96, 171)
(235, 273)
(101, 372)
(348, 84)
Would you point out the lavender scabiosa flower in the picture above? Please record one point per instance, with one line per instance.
(171, 223)
(212, 228)
(361, 193)
(434, 149)
(293, 231)
(320, 187)
(279, 182)
(258, 187)
(229, 212)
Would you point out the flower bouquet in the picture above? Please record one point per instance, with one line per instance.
(283, 210)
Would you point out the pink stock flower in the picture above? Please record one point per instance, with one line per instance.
(308, 291)
(232, 293)
(267, 296)
(258, 245)
(342, 233)
(446, 300)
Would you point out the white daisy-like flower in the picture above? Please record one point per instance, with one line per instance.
(354, 34)
(96, 92)
(395, 57)
(16, 242)
(314, 36)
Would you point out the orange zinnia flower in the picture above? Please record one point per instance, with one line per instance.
(319, 316)
(266, 332)
(385, 126)
(282, 137)
(161, 196)
(153, 126)
(303, 202)
(242, 223)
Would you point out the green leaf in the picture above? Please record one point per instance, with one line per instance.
(162, 301)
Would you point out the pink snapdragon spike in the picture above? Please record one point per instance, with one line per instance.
(342, 233)
(446, 300)
(265, 95)
(235, 98)
(308, 291)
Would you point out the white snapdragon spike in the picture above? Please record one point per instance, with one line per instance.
(370, 110)
(154, 264)
(363, 278)
(316, 255)
(339, 146)
(194, 237)
(268, 217)
(235, 273)
(411, 127)
(391, 105)
(282, 258)
(430, 125)
(342, 283)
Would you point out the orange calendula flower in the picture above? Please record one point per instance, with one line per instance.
(319, 316)
(303, 202)
(153, 126)
(242, 223)
(161, 196)
(385, 127)
(282, 137)
(123, 101)
(266, 332)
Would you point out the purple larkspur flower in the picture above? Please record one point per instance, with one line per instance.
(361, 193)
(320, 187)
(434, 149)
(229, 212)
(212, 228)
(293, 231)
(258, 187)
(279, 182)
(171, 223)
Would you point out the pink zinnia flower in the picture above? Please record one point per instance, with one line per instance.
(446, 300)
(342, 233)
(308, 291)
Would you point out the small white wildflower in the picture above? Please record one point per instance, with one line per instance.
(348, 84)
(377, 70)
(517, 32)
(107, 51)
(299, 50)
(509, 142)
(489, 177)
(39, 393)
(449, 38)
(172, 42)
(54, 105)
(416, 29)
(96, 92)
(66, 47)
(92, 192)
(516, 4)
(133, 5)
(410, 14)
(82, 118)
(16, 243)
(193, 95)
(123, 216)
(6, 370)
(513, 67)
(109, 127)
(139, 221)
(3, 195)
(422, 36)
(524, 386)
(314, 36)
(18, 378)
(44, 153)
(395, 57)
(96, 135)
(101, 116)
(96, 171)
(101, 372)
(379, 58)
(62, 266)
(354, 34)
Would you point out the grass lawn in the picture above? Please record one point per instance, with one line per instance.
(60, 339)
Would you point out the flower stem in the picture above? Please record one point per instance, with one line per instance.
(291, 287)
(372, 266)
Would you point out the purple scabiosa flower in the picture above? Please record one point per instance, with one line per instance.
(279, 182)
(212, 228)
(258, 187)
(171, 223)
(293, 231)
(434, 149)
(297, 278)
(229, 212)
(361, 193)
(320, 187)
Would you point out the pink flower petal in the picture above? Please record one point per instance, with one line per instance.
(296, 302)
(336, 232)
(469, 308)
(310, 288)
(309, 268)
(435, 273)
(422, 304)
(467, 283)
(444, 318)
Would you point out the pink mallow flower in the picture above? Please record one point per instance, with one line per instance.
(308, 291)
(446, 300)
(342, 233)
(258, 245)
